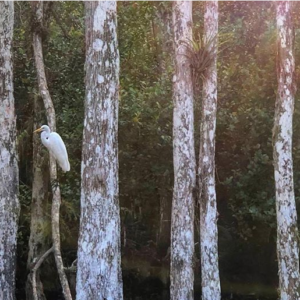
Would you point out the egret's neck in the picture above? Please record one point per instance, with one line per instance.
(47, 130)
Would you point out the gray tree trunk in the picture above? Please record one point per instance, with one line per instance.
(9, 177)
(99, 253)
(287, 231)
(182, 220)
(40, 187)
(207, 190)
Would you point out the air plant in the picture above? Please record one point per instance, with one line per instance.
(201, 53)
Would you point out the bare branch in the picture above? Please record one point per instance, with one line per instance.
(73, 267)
(34, 270)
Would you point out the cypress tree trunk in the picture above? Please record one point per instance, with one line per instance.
(99, 253)
(208, 201)
(182, 223)
(9, 177)
(40, 187)
(287, 231)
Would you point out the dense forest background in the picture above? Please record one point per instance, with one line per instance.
(244, 171)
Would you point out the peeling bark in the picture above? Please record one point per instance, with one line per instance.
(50, 113)
(287, 231)
(207, 190)
(99, 253)
(9, 177)
(182, 223)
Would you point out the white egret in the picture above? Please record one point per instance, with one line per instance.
(54, 143)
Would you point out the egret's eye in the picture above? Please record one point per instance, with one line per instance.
(46, 138)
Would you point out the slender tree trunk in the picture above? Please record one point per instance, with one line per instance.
(208, 201)
(9, 177)
(287, 231)
(99, 253)
(40, 186)
(182, 223)
(50, 113)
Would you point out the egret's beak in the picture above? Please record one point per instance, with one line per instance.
(38, 130)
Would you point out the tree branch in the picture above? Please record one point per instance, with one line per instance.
(73, 267)
(34, 270)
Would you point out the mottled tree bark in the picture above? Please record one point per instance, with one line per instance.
(50, 113)
(287, 231)
(182, 220)
(207, 190)
(9, 177)
(99, 253)
(40, 186)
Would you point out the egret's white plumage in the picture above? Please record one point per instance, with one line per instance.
(54, 143)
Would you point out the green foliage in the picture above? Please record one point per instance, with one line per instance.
(247, 84)
(145, 115)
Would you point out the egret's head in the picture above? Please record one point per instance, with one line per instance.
(43, 128)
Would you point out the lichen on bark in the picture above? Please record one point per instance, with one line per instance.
(9, 178)
(182, 220)
(99, 253)
(207, 190)
(287, 230)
